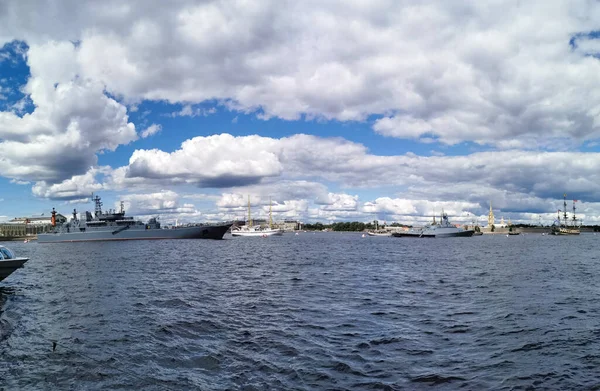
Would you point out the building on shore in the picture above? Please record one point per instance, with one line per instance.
(492, 227)
(290, 225)
(28, 226)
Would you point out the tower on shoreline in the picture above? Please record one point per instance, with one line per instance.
(490, 216)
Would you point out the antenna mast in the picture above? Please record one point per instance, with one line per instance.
(98, 206)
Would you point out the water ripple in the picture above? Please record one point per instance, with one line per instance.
(310, 311)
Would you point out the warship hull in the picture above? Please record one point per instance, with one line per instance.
(115, 234)
(441, 233)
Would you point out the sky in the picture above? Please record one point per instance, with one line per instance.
(326, 111)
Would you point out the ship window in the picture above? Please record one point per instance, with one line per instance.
(6, 254)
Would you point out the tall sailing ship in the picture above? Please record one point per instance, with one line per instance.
(251, 230)
(563, 227)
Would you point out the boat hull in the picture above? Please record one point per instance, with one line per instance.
(432, 234)
(566, 231)
(194, 232)
(379, 234)
(8, 266)
(412, 235)
(257, 233)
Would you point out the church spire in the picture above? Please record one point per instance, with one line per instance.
(490, 216)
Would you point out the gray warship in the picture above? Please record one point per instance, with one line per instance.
(113, 225)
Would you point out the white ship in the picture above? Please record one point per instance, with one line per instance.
(379, 232)
(250, 230)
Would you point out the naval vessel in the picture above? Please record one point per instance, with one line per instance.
(442, 230)
(113, 225)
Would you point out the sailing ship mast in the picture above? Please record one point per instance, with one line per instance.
(565, 209)
(564, 228)
(270, 214)
(249, 216)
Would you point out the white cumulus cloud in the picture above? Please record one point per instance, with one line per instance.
(150, 130)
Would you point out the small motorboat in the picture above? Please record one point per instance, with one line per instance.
(9, 262)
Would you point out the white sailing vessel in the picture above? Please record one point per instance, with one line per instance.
(379, 232)
(257, 231)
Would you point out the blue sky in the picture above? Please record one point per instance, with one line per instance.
(338, 111)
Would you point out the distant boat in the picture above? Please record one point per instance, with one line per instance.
(257, 231)
(442, 230)
(563, 227)
(511, 230)
(9, 262)
(378, 232)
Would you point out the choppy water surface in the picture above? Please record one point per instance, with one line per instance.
(308, 311)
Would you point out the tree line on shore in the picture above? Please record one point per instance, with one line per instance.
(353, 226)
(357, 226)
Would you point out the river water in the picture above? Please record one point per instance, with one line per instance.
(304, 312)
